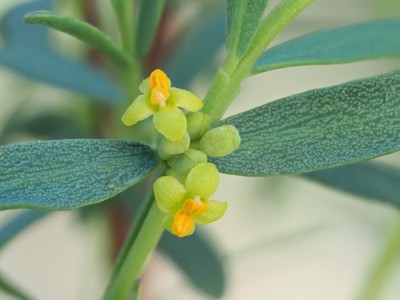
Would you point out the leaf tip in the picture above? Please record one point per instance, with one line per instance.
(30, 17)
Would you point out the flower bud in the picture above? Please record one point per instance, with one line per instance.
(197, 124)
(167, 148)
(184, 162)
(220, 141)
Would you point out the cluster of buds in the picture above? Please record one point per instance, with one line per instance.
(185, 142)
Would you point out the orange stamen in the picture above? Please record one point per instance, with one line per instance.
(184, 219)
(160, 85)
(195, 206)
(183, 223)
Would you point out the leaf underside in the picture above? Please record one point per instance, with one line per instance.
(347, 44)
(318, 129)
(369, 180)
(67, 174)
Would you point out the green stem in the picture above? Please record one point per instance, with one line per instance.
(132, 74)
(271, 26)
(221, 93)
(226, 84)
(380, 273)
(142, 240)
(124, 11)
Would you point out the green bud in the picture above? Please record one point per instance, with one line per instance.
(173, 173)
(220, 141)
(197, 124)
(167, 148)
(184, 162)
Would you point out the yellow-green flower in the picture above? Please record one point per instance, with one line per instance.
(188, 204)
(160, 100)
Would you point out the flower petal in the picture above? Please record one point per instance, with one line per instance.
(171, 123)
(185, 99)
(144, 86)
(168, 221)
(169, 193)
(202, 180)
(139, 110)
(215, 210)
(166, 148)
(185, 162)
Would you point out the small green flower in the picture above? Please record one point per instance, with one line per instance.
(188, 204)
(161, 101)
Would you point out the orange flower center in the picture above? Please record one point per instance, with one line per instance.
(195, 206)
(184, 219)
(160, 85)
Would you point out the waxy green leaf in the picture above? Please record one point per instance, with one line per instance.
(198, 260)
(82, 31)
(68, 174)
(318, 129)
(347, 44)
(243, 18)
(369, 180)
(26, 50)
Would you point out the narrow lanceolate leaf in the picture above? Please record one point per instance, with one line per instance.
(347, 44)
(243, 18)
(149, 18)
(369, 180)
(68, 174)
(198, 260)
(27, 51)
(82, 31)
(318, 129)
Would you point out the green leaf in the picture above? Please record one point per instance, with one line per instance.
(369, 180)
(149, 18)
(124, 12)
(26, 50)
(68, 174)
(198, 260)
(82, 31)
(243, 19)
(18, 224)
(347, 44)
(318, 129)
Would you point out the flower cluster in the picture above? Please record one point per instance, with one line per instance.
(185, 142)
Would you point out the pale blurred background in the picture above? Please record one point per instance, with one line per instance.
(283, 238)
